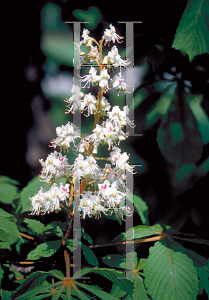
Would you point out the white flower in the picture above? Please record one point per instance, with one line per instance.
(90, 78)
(54, 167)
(49, 201)
(74, 102)
(85, 36)
(110, 134)
(103, 79)
(104, 104)
(120, 160)
(89, 103)
(94, 54)
(111, 35)
(97, 134)
(115, 115)
(119, 84)
(85, 167)
(66, 134)
(116, 58)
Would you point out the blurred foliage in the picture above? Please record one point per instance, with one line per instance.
(92, 15)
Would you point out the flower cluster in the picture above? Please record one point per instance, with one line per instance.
(103, 189)
(55, 166)
(49, 201)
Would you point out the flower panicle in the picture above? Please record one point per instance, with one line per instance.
(103, 189)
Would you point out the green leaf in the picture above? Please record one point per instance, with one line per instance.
(72, 244)
(178, 136)
(114, 276)
(117, 292)
(141, 264)
(33, 280)
(6, 295)
(35, 226)
(89, 255)
(139, 292)
(80, 294)
(5, 179)
(96, 291)
(140, 207)
(114, 260)
(192, 35)
(203, 274)
(8, 190)
(141, 231)
(170, 273)
(9, 227)
(5, 214)
(87, 237)
(31, 293)
(137, 232)
(111, 274)
(44, 250)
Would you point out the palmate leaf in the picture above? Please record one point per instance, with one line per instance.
(192, 35)
(170, 273)
(178, 136)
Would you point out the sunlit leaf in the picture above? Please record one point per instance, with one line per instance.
(170, 273)
(192, 35)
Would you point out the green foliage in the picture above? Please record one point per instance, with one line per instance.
(169, 272)
(44, 250)
(8, 190)
(192, 35)
(89, 255)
